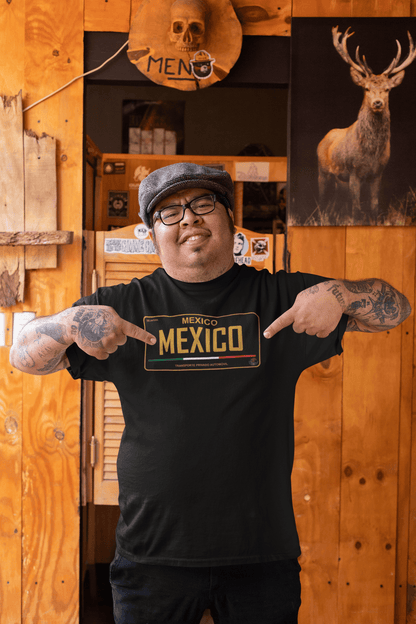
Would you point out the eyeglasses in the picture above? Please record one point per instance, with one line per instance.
(169, 215)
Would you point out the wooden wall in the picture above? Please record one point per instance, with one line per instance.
(355, 475)
(41, 48)
(353, 423)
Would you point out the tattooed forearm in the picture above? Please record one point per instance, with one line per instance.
(335, 289)
(352, 325)
(372, 305)
(41, 346)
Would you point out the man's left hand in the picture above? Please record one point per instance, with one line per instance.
(316, 311)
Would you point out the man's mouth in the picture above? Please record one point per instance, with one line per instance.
(193, 238)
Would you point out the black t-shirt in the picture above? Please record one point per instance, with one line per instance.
(206, 456)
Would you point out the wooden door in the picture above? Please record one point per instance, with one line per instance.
(121, 255)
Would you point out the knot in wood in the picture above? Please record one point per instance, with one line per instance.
(358, 545)
(10, 425)
(348, 471)
(59, 434)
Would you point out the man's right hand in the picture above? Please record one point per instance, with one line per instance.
(40, 348)
(99, 331)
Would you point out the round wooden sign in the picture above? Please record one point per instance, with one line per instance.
(185, 44)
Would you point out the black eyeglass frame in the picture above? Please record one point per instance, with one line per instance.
(158, 213)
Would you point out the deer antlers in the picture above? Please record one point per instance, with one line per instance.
(361, 64)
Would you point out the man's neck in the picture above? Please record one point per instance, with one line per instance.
(198, 274)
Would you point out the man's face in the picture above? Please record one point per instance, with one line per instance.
(198, 248)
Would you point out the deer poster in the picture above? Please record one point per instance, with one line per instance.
(352, 149)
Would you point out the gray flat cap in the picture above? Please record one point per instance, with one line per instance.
(168, 180)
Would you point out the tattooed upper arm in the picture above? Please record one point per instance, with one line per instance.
(375, 306)
(57, 331)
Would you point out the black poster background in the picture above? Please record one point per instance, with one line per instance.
(323, 96)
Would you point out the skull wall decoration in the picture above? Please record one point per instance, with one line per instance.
(188, 24)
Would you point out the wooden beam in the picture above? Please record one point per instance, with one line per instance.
(16, 239)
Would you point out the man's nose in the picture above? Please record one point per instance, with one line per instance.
(190, 218)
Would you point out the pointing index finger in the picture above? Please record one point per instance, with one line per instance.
(284, 320)
(129, 329)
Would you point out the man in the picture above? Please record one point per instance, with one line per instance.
(205, 355)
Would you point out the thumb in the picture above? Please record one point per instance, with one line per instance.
(133, 331)
(286, 319)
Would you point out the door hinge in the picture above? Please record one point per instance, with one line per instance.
(93, 451)
(94, 281)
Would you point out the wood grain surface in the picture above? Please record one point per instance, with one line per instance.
(50, 583)
(40, 196)
(318, 425)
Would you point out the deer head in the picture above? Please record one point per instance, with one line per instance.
(376, 86)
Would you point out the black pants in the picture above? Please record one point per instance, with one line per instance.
(258, 593)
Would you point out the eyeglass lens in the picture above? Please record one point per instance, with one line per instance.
(175, 213)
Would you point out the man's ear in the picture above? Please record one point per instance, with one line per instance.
(231, 215)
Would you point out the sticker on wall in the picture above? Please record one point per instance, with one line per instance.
(202, 64)
(129, 246)
(240, 249)
(259, 249)
(252, 171)
(112, 168)
(140, 173)
(141, 231)
(118, 204)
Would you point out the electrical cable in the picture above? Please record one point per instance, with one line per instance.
(77, 78)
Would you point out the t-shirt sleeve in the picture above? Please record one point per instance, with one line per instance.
(316, 349)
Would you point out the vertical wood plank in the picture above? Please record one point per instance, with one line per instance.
(51, 438)
(40, 196)
(12, 17)
(405, 433)
(107, 15)
(12, 42)
(370, 437)
(10, 488)
(12, 267)
(316, 473)
(50, 503)
(411, 580)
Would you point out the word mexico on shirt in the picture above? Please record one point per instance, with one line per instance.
(201, 342)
